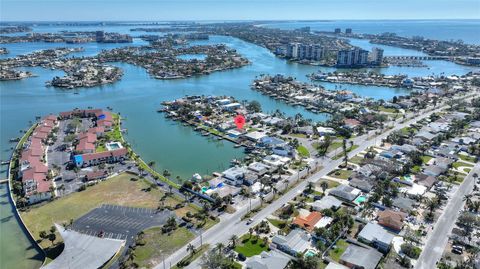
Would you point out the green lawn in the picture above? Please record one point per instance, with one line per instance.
(425, 158)
(159, 245)
(342, 174)
(331, 183)
(303, 151)
(467, 158)
(251, 246)
(341, 154)
(190, 258)
(334, 146)
(340, 248)
(387, 109)
(298, 135)
(461, 164)
(416, 169)
(280, 224)
(356, 159)
(119, 190)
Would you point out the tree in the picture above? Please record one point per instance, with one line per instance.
(43, 235)
(219, 247)
(254, 106)
(52, 237)
(250, 232)
(191, 249)
(234, 239)
(345, 152)
(324, 186)
(151, 164)
(213, 260)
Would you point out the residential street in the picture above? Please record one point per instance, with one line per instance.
(437, 240)
(232, 224)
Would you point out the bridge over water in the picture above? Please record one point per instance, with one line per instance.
(421, 58)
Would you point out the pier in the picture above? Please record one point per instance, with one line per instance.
(2, 181)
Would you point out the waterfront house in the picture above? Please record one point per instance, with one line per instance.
(325, 131)
(259, 168)
(356, 256)
(36, 187)
(235, 175)
(91, 159)
(295, 243)
(255, 136)
(376, 236)
(275, 161)
(268, 260)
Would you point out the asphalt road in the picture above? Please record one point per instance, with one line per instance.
(438, 239)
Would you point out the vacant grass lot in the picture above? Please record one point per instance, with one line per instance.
(251, 246)
(460, 164)
(158, 245)
(119, 190)
(342, 174)
(467, 158)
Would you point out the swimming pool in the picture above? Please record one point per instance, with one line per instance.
(360, 199)
(113, 146)
(310, 253)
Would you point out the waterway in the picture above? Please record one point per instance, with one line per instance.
(137, 96)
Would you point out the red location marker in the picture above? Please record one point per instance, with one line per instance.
(239, 121)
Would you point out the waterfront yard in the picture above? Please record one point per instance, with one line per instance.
(157, 245)
(119, 190)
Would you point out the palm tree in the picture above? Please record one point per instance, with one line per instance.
(324, 186)
(234, 239)
(310, 187)
(220, 248)
(468, 199)
(345, 152)
(191, 249)
(250, 232)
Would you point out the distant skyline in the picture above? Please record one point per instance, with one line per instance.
(164, 10)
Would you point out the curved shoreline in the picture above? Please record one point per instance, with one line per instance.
(24, 227)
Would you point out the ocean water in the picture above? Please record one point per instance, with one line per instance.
(137, 97)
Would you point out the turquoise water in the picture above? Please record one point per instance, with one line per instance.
(137, 96)
(360, 199)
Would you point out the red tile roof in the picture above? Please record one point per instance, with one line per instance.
(101, 155)
(309, 221)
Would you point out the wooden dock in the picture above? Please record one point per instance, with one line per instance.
(3, 181)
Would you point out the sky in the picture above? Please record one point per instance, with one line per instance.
(162, 10)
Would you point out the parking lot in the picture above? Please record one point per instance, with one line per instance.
(119, 222)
